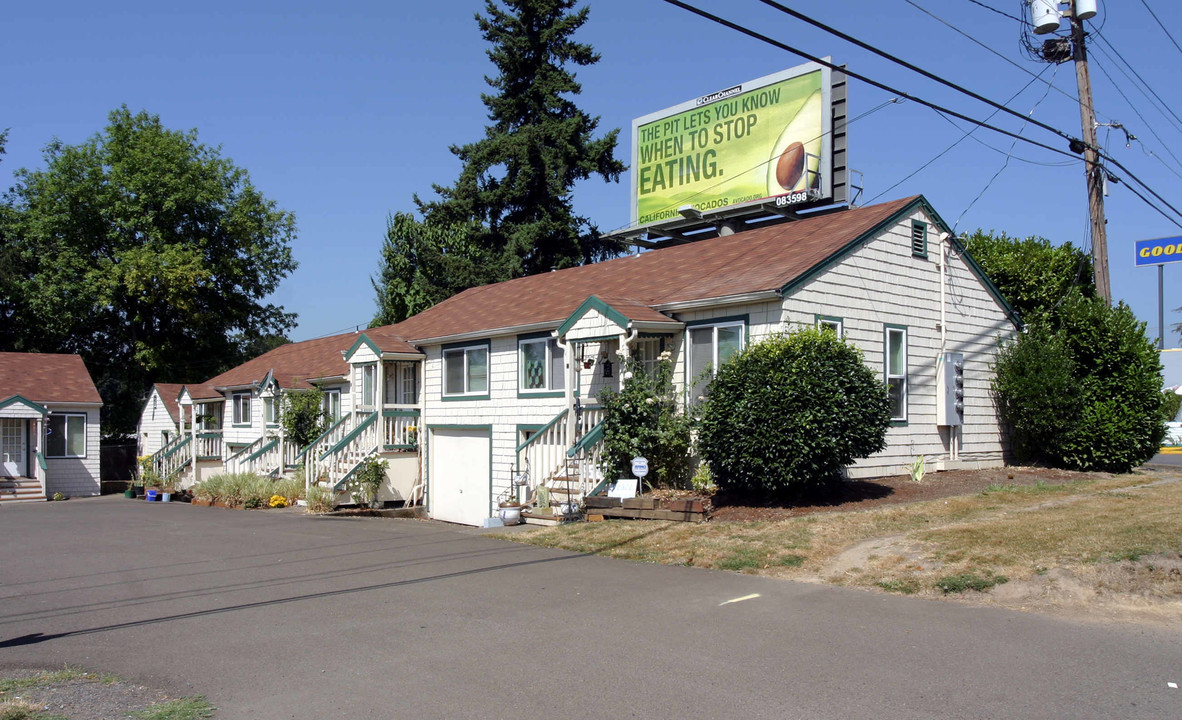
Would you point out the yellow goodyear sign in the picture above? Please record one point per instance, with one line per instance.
(1158, 252)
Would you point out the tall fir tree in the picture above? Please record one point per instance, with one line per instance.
(516, 182)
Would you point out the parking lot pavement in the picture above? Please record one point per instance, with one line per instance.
(274, 614)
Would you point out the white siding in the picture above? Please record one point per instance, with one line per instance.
(882, 283)
(154, 420)
(75, 477)
(593, 324)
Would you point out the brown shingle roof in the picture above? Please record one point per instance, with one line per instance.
(766, 258)
(292, 364)
(46, 377)
(168, 393)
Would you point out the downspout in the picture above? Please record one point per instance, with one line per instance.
(626, 342)
(421, 432)
(953, 449)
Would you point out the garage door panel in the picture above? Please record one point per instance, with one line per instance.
(460, 475)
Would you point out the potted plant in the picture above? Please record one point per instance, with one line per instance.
(511, 512)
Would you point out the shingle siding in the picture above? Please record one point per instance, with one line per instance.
(75, 477)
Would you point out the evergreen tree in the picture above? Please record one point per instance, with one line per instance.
(516, 182)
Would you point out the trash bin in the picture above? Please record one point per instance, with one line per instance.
(152, 495)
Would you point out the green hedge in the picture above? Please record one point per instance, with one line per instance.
(789, 413)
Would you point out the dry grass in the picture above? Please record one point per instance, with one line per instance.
(1086, 529)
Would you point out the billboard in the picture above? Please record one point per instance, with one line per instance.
(745, 145)
(1158, 252)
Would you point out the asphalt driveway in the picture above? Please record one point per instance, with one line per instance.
(280, 615)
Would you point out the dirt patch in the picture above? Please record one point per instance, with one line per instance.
(896, 490)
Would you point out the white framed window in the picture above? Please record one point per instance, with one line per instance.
(241, 408)
(835, 324)
(66, 435)
(709, 347)
(271, 410)
(465, 371)
(647, 352)
(541, 365)
(402, 383)
(895, 368)
(330, 402)
(369, 382)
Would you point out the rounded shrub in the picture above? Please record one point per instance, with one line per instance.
(1085, 392)
(789, 413)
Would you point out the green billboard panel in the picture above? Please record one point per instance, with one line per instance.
(766, 139)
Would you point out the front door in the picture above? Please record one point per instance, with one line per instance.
(12, 447)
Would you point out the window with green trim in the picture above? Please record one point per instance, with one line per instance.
(541, 365)
(709, 347)
(835, 324)
(369, 382)
(465, 371)
(895, 365)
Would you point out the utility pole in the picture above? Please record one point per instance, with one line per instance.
(1045, 17)
(1095, 174)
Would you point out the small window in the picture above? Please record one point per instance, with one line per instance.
(330, 402)
(270, 411)
(647, 353)
(241, 408)
(895, 364)
(369, 376)
(465, 371)
(709, 347)
(542, 365)
(835, 324)
(66, 436)
(919, 239)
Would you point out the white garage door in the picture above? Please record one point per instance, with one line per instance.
(460, 475)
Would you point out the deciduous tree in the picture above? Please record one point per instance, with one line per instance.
(148, 253)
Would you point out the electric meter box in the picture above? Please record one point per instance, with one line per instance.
(950, 389)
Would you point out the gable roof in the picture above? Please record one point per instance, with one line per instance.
(168, 393)
(292, 365)
(765, 259)
(46, 378)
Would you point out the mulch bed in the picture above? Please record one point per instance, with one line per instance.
(896, 490)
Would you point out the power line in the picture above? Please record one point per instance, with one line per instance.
(999, 12)
(932, 15)
(1133, 107)
(962, 138)
(1004, 165)
(882, 86)
(1177, 120)
(899, 61)
(1159, 24)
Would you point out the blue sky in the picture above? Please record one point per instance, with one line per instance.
(342, 112)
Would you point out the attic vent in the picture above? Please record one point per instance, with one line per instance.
(919, 239)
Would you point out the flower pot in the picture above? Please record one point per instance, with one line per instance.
(138, 490)
(129, 493)
(511, 514)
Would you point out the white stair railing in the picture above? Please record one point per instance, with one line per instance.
(545, 452)
(327, 440)
(339, 461)
(237, 463)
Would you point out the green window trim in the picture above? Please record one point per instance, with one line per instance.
(822, 321)
(553, 387)
(466, 349)
(919, 239)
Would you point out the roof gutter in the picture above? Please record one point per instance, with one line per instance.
(744, 298)
(481, 334)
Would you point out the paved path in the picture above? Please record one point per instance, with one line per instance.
(279, 615)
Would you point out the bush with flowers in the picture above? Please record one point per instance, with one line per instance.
(643, 420)
(277, 501)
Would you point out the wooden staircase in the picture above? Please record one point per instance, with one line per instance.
(20, 489)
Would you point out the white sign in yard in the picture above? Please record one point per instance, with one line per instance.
(639, 466)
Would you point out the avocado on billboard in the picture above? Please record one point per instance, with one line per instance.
(768, 138)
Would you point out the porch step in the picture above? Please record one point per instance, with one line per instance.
(20, 490)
